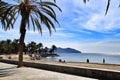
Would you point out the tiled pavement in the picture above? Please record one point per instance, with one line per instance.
(10, 72)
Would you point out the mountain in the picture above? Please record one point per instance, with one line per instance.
(66, 50)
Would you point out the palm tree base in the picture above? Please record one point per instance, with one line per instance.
(20, 65)
(20, 62)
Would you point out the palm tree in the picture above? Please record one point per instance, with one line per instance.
(46, 50)
(28, 48)
(39, 47)
(8, 45)
(33, 47)
(35, 11)
(1, 47)
(15, 46)
(53, 48)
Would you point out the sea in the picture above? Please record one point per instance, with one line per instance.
(82, 57)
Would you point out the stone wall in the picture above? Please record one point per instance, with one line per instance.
(87, 72)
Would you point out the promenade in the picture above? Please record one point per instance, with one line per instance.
(10, 72)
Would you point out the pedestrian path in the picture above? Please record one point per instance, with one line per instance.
(10, 72)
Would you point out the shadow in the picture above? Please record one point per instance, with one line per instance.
(7, 68)
(7, 71)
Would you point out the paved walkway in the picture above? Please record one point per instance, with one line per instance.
(10, 72)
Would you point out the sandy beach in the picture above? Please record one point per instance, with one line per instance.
(79, 64)
(73, 64)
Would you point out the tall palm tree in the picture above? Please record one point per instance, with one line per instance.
(35, 11)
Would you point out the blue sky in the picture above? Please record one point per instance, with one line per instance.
(82, 26)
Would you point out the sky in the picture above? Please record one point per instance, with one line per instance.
(82, 26)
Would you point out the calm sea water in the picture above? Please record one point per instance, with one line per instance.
(82, 57)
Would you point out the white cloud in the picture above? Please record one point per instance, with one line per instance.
(99, 47)
(117, 35)
(92, 23)
(9, 34)
(92, 15)
(100, 23)
(64, 35)
(32, 32)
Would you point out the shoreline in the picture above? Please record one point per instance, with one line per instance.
(79, 64)
(74, 64)
(95, 63)
(67, 68)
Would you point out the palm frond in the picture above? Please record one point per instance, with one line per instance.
(36, 23)
(43, 21)
(85, 1)
(7, 15)
(7, 12)
(11, 21)
(37, 12)
(55, 1)
(32, 19)
(51, 14)
(39, 27)
(51, 23)
(45, 3)
(45, 14)
(50, 8)
(108, 4)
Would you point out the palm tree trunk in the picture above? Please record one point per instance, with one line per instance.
(21, 44)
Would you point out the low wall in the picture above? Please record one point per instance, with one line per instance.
(14, 57)
(93, 73)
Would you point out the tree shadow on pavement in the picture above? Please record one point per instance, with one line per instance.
(7, 71)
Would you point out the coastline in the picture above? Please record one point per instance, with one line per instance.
(74, 64)
(79, 64)
(97, 73)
